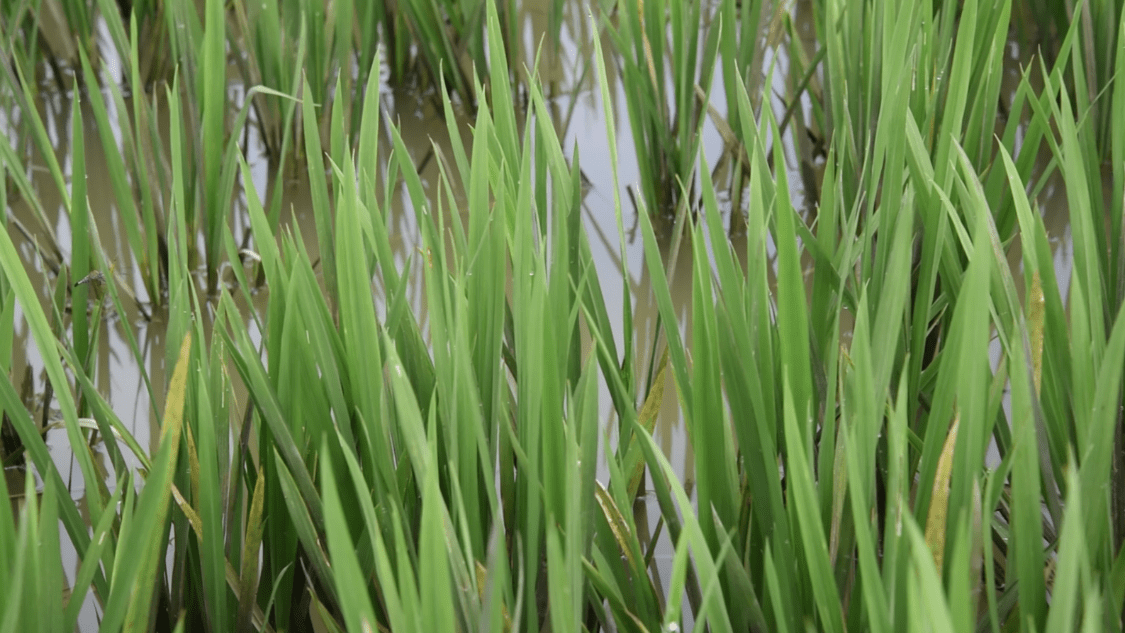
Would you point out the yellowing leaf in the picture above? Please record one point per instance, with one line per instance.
(939, 504)
(647, 420)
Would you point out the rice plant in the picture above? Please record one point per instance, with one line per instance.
(667, 63)
(47, 30)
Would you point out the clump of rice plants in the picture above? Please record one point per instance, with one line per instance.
(446, 40)
(894, 427)
(667, 88)
(47, 31)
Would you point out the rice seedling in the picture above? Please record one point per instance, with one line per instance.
(449, 37)
(665, 112)
(290, 42)
(1093, 59)
(739, 49)
(21, 38)
(48, 31)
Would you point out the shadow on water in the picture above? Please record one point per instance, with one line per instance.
(577, 113)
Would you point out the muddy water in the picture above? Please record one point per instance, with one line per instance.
(580, 119)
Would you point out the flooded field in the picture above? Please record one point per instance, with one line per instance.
(731, 210)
